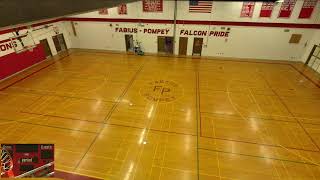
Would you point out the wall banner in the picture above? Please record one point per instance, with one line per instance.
(103, 11)
(266, 9)
(122, 9)
(287, 8)
(307, 8)
(247, 9)
(152, 5)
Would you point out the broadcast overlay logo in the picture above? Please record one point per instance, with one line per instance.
(27, 160)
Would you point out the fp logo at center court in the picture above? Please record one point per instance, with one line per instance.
(161, 90)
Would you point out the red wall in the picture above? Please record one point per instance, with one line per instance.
(13, 63)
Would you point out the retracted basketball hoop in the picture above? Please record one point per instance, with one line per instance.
(23, 41)
(56, 29)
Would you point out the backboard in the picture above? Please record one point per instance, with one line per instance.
(23, 41)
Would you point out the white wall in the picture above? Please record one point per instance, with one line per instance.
(315, 39)
(221, 11)
(250, 42)
(243, 41)
(45, 33)
(230, 11)
(135, 12)
(103, 36)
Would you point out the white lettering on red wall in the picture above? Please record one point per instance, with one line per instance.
(8, 46)
(145, 30)
(204, 33)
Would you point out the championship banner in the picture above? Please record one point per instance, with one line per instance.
(152, 5)
(307, 8)
(247, 9)
(266, 9)
(287, 8)
(122, 9)
(103, 11)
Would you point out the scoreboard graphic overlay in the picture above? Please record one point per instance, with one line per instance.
(27, 160)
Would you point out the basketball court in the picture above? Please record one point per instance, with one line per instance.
(145, 91)
(118, 116)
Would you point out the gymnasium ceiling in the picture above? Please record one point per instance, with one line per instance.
(20, 12)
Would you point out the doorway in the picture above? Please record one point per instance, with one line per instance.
(165, 44)
(183, 46)
(45, 44)
(129, 42)
(313, 60)
(59, 42)
(197, 46)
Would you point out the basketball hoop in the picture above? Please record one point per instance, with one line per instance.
(23, 42)
(56, 29)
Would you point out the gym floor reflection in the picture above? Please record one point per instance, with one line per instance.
(118, 116)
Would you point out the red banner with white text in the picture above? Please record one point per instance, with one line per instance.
(247, 9)
(287, 8)
(122, 9)
(103, 11)
(152, 5)
(266, 9)
(307, 8)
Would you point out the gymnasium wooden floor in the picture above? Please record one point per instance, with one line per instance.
(117, 116)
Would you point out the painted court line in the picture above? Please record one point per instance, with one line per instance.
(41, 92)
(34, 72)
(63, 117)
(151, 129)
(44, 125)
(198, 120)
(285, 105)
(260, 144)
(238, 117)
(109, 114)
(100, 123)
(262, 157)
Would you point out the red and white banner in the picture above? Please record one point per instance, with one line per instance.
(247, 9)
(122, 9)
(152, 5)
(307, 8)
(287, 8)
(103, 11)
(266, 9)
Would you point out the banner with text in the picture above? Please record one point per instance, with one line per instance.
(122, 9)
(287, 8)
(266, 9)
(103, 11)
(247, 9)
(307, 8)
(152, 5)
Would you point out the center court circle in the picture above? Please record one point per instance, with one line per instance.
(161, 90)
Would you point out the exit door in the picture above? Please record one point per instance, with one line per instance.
(197, 46)
(45, 44)
(165, 44)
(183, 46)
(129, 42)
(59, 42)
